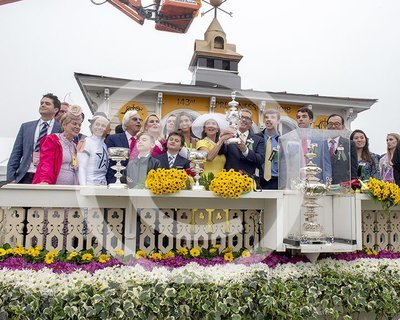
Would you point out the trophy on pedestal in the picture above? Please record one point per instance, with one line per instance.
(118, 154)
(197, 158)
(312, 189)
(233, 116)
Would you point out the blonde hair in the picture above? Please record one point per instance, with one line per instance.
(144, 130)
(389, 153)
(74, 113)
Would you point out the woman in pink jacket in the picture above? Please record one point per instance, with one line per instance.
(58, 162)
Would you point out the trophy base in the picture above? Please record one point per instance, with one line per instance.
(233, 140)
(117, 186)
(198, 188)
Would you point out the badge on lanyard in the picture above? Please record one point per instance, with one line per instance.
(35, 158)
(74, 160)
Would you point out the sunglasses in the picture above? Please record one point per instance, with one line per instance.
(136, 119)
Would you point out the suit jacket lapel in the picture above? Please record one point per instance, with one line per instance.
(31, 132)
(56, 127)
(124, 140)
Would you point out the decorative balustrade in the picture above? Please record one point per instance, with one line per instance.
(76, 218)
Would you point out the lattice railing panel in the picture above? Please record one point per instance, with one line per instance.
(73, 229)
(381, 230)
(168, 229)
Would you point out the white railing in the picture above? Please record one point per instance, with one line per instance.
(75, 218)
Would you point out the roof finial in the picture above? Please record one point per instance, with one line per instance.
(216, 4)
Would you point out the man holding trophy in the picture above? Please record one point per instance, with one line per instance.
(245, 151)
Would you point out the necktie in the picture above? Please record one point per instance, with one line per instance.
(171, 160)
(268, 163)
(243, 137)
(332, 147)
(131, 147)
(42, 134)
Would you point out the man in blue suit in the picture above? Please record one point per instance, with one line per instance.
(249, 154)
(24, 157)
(131, 123)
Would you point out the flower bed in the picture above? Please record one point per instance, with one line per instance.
(278, 287)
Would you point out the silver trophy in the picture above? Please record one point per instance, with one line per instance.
(197, 158)
(312, 189)
(233, 116)
(118, 154)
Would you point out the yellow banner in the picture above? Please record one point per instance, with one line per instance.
(321, 122)
(132, 105)
(175, 103)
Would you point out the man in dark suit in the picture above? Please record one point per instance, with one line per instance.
(247, 155)
(24, 157)
(131, 123)
(172, 159)
(396, 164)
(343, 168)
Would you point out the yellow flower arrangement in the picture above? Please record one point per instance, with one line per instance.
(103, 258)
(140, 254)
(195, 252)
(2, 252)
(156, 256)
(72, 255)
(50, 256)
(387, 193)
(168, 255)
(183, 251)
(19, 250)
(162, 181)
(246, 253)
(33, 252)
(228, 256)
(231, 184)
(119, 252)
(87, 257)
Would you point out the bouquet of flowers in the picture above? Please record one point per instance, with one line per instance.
(231, 184)
(163, 181)
(387, 193)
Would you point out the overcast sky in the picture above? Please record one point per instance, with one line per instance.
(347, 48)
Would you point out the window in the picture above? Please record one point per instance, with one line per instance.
(219, 43)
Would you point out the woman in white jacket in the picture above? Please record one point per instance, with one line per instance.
(92, 153)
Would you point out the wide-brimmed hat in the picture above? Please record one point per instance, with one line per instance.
(198, 124)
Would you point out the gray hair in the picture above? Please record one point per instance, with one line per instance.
(127, 116)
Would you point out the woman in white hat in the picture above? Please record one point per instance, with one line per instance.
(209, 127)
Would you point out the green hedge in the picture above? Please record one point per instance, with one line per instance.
(328, 295)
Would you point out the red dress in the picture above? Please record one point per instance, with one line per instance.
(51, 154)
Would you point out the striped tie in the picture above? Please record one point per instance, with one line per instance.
(171, 160)
(42, 133)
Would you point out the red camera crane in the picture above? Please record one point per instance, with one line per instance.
(168, 15)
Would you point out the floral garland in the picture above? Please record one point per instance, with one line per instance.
(231, 184)
(387, 193)
(162, 181)
(211, 253)
(39, 255)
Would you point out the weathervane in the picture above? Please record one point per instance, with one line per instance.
(216, 4)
